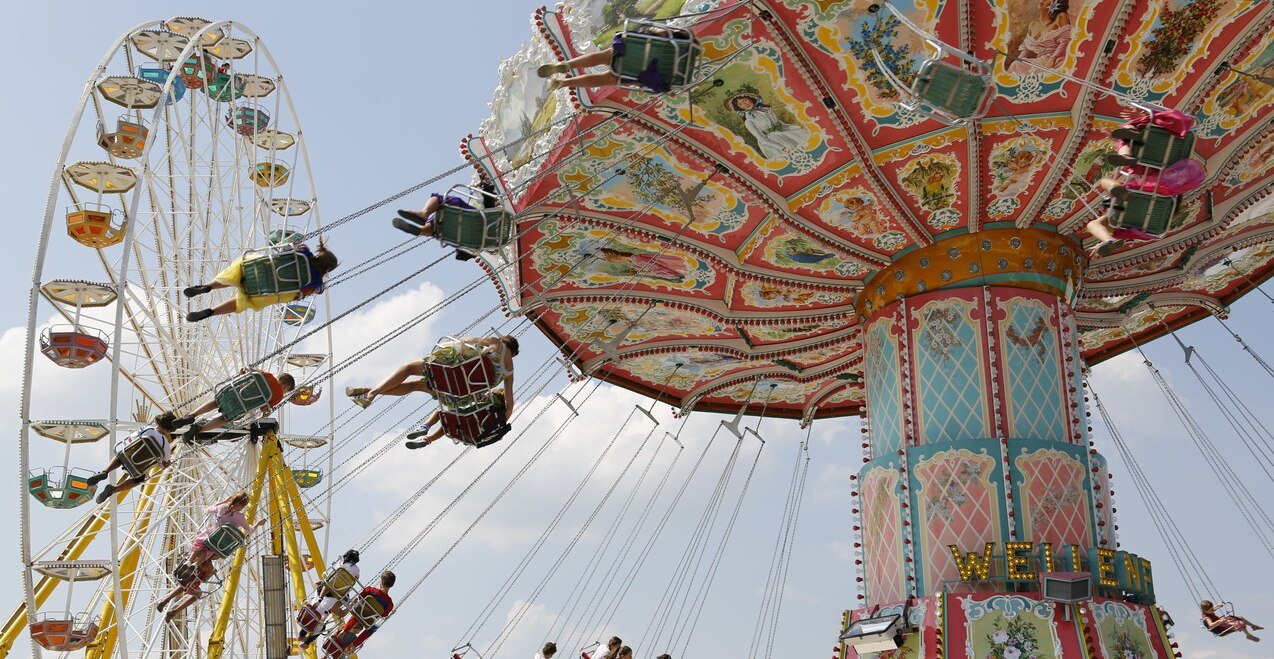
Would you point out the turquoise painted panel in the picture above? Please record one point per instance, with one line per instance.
(884, 386)
(1032, 370)
(950, 378)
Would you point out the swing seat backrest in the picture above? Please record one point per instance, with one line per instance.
(473, 229)
(226, 539)
(460, 370)
(274, 272)
(242, 395)
(1147, 212)
(339, 581)
(675, 55)
(367, 610)
(139, 453)
(479, 428)
(1159, 147)
(954, 89)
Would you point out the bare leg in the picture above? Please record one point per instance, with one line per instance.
(182, 606)
(205, 408)
(172, 594)
(222, 309)
(393, 385)
(595, 58)
(1100, 230)
(600, 79)
(128, 485)
(213, 423)
(214, 285)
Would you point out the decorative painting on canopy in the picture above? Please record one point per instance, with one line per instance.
(772, 295)
(1046, 33)
(784, 248)
(857, 212)
(763, 334)
(763, 112)
(849, 34)
(682, 370)
(1239, 98)
(1169, 37)
(639, 322)
(928, 171)
(1016, 161)
(593, 258)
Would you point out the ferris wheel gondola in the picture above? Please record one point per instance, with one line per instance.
(156, 176)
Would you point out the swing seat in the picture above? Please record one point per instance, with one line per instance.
(459, 370)
(247, 121)
(138, 454)
(673, 57)
(242, 395)
(197, 70)
(305, 395)
(94, 225)
(1147, 212)
(63, 632)
(479, 428)
(59, 488)
(269, 174)
(1159, 147)
(127, 142)
(298, 313)
(954, 89)
(474, 229)
(73, 347)
(338, 581)
(337, 644)
(225, 540)
(307, 478)
(158, 74)
(308, 619)
(224, 87)
(271, 272)
(367, 610)
(285, 237)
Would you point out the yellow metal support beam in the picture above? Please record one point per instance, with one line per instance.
(303, 522)
(16, 624)
(130, 556)
(281, 477)
(217, 640)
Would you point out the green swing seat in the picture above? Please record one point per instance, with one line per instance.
(676, 54)
(271, 272)
(1159, 147)
(242, 395)
(1147, 212)
(60, 488)
(307, 478)
(475, 229)
(138, 454)
(225, 540)
(955, 89)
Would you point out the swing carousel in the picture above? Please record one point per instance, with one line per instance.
(878, 209)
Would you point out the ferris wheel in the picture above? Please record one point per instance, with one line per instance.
(184, 151)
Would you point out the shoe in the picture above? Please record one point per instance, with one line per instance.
(105, 493)
(1120, 160)
(556, 84)
(417, 443)
(196, 316)
(403, 225)
(1119, 192)
(418, 433)
(1126, 134)
(549, 70)
(192, 291)
(1108, 247)
(95, 478)
(192, 433)
(359, 395)
(182, 421)
(414, 216)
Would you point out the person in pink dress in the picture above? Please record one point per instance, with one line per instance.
(1226, 625)
(226, 511)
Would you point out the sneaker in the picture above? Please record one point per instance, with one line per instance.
(403, 225)
(1120, 160)
(192, 433)
(95, 478)
(549, 70)
(416, 443)
(196, 316)
(182, 421)
(419, 432)
(360, 395)
(191, 291)
(105, 493)
(1126, 134)
(1108, 247)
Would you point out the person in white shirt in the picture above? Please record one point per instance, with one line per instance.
(547, 651)
(160, 431)
(608, 650)
(324, 602)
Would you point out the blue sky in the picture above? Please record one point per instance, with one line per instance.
(385, 93)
